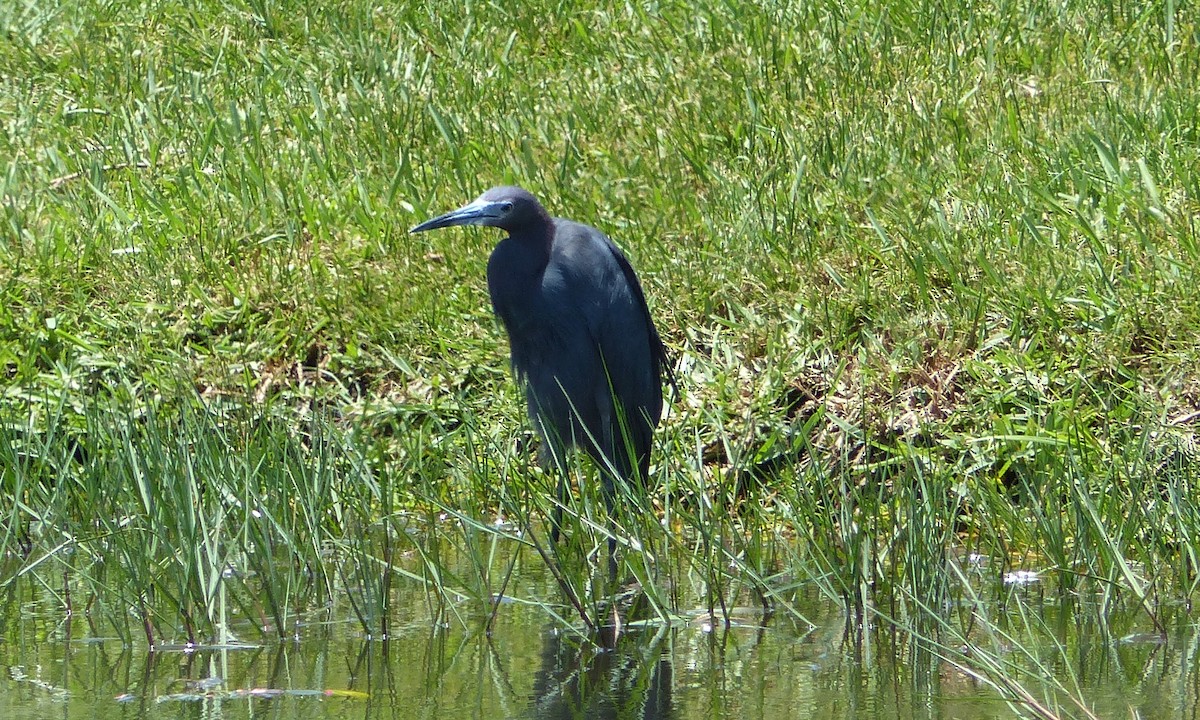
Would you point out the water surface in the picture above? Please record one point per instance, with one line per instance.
(531, 666)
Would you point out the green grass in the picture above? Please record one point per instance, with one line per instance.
(929, 273)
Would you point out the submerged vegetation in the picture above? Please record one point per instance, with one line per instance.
(930, 275)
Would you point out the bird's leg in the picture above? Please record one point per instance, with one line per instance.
(614, 471)
(612, 560)
(608, 490)
(557, 513)
(551, 460)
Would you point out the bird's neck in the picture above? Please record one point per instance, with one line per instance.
(538, 239)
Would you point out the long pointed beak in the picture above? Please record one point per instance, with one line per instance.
(478, 212)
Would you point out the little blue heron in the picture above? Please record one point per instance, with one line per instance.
(583, 345)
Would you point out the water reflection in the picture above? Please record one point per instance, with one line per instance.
(577, 680)
(528, 669)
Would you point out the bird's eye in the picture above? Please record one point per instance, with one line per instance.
(506, 208)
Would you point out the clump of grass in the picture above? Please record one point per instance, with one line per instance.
(192, 516)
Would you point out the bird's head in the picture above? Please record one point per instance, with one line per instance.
(509, 208)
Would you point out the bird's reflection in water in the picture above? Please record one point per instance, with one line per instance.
(579, 680)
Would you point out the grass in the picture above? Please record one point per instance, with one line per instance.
(929, 273)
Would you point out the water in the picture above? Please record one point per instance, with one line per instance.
(532, 667)
(526, 669)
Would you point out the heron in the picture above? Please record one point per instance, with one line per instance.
(583, 345)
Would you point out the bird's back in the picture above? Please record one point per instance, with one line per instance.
(582, 340)
(598, 277)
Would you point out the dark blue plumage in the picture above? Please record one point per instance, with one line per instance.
(583, 344)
